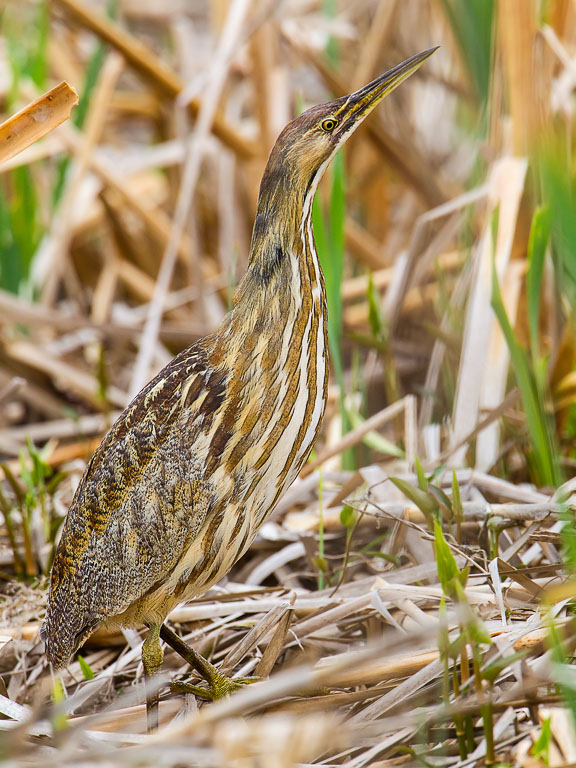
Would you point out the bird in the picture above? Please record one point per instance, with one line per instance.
(179, 487)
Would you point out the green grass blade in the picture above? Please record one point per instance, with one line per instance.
(85, 668)
(11, 273)
(445, 562)
(375, 317)
(544, 452)
(329, 240)
(337, 219)
(539, 234)
(421, 499)
(559, 195)
(26, 36)
(24, 223)
(472, 24)
(26, 42)
(541, 747)
(420, 474)
(330, 246)
(558, 656)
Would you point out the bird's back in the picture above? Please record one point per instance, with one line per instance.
(131, 514)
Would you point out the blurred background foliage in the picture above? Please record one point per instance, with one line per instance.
(420, 302)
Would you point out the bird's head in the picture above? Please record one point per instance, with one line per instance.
(297, 162)
(307, 144)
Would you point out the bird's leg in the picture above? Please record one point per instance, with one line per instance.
(152, 656)
(219, 684)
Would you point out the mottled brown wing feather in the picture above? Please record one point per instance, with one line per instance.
(139, 504)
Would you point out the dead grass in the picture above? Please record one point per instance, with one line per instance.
(367, 654)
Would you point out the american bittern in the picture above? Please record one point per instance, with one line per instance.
(179, 487)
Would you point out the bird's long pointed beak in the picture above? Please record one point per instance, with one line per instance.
(363, 101)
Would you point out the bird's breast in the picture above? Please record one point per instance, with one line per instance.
(254, 444)
(277, 420)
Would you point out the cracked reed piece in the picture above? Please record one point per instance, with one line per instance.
(36, 120)
(180, 485)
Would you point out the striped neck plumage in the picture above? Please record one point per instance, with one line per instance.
(283, 224)
(296, 164)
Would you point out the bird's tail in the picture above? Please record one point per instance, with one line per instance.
(64, 630)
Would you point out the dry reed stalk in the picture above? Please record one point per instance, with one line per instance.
(206, 117)
(52, 259)
(107, 285)
(414, 301)
(493, 390)
(506, 185)
(375, 43)
(355, 436)
(36, 120)
(136, 279)
(60, 428)
(357, 287)
(50, 147)
(264, 58)
(153, 69)
(425, 246)
(363, 246)
(155, 219)
(64, 374)
(518, 30)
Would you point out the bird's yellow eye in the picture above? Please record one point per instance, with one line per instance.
(329, 124)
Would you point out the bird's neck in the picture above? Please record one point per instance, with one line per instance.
(281, 214)
(283, 257)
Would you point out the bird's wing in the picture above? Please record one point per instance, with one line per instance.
(138, 505)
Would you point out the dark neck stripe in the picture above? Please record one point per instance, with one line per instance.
(269, 263)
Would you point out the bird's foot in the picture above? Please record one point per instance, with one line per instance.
(219, 686)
